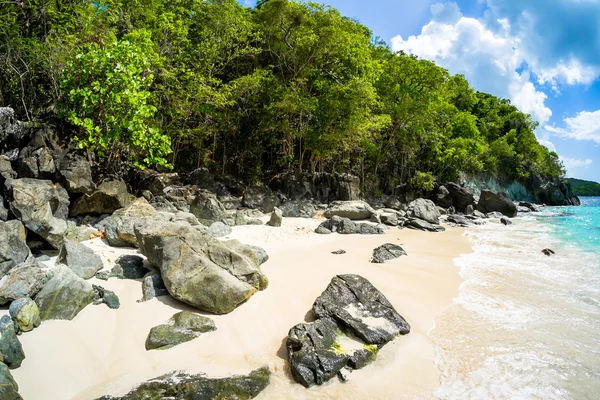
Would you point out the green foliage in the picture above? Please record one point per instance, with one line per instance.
(107, 94)
(423, 181)
(584, 188)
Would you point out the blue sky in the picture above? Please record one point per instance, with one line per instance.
(543, 55)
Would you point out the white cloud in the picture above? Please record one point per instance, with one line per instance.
(584, 126)
(575, 162)
(490, 59)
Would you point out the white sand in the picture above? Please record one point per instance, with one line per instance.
(102, 351)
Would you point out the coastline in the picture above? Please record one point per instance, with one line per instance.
(102, 351)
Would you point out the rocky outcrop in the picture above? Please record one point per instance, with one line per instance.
(181, 385)
(119, 227)
(80, 258)
(199, 270)
(9, 390)
(354, 210)
(11, 351)
(207, 208)
(345, 226)
(108, 197)
(461, 197)
(421, 225)
(25, 313)
(13, 248)
(354, 320)
(75, 174)
(490, 201)
(25, 280)
(260, 197)
(182, 327)
(557, 193)
(387, 252)
(276, 218)
(42, 206)
(298, 209)
(64, 295)
(424, 210)
(323, 187)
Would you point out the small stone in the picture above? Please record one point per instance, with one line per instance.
(129, 267)
(276, 218)
(182, 327)
(387, 252)
(548, 252)
(340, 251)
(107, 297)
(505, 221)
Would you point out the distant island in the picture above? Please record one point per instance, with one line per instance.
(581, 187)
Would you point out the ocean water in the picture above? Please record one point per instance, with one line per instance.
(524, 325)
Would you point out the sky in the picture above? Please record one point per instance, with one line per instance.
(543, 55)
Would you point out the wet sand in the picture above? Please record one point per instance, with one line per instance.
(102, 351)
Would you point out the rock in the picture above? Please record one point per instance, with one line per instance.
(393, 202)
(323, 187)
(459, 220)
(108, 197)
(478, 214)
(469, 210)
(104, 275)
(443, 198)
(219, 229)
(182, 216)
(338, 252)
(153, 286)
(298, 209)
(11, 352)
(9, 390)
(505, 221)
(181, 385)
(155, 182)
(345, 226)
(276, 218)
(494, 214)
(25, 314)
(182, 327)
(524, 210)
(119, 228)
(491, 200)
(260, 253)
(387, 252)
(42, 206)
(199, 270)
(355, 304)
(75, 174)
(419, 224)
(321, 230)
(80, 258)
(13, 247)
(424, 210)
(207, 208)
(129, 267)
(64, 295)
(25, 280)
(354, 210)
(105, 296)
(389, 218)
(461, 197)
(376, 218)
(260, 197)
(548, 252)
(532, 207)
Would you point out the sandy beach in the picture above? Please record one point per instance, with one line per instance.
(102, 350)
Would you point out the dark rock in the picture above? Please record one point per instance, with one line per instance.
(219, 229)
(105, 296)
(323, 187)
(505, 221)
(199, 270)
(11, 129)
(419, 224)
(387, 252)
(108, 197)
(393, 203)
(548, 252)
(354, 210)
(156, 182)
(341, 251)
(461, 197)
(532, 207)
(276, 218)
(443, 198)
(64, 295)
(469, 210)
(129, 267)
(11, 352)
(459, 220)
(25, 280)
(4, 213)
(9, 390)
(321, 230)
(424, 210)
(25, 313)
(389, 218)
(153, 286)
(261, 198)
(491, 200)
(207, 208)
(13, 247)
(182, 327)
(80, 258)
(180, 385)
(494, 214)
(75, 174)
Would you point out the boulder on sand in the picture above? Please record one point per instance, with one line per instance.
(425, 210)
(64, 295)
(25, 313)
(181, 385)
(9, 390)
(153, 286)
(11, 351)
(490, 201)
(180, 328)
(354, 210)
(80, 258)
(421, 225)
(345, 226)
(13, 247)
(200, 270)
(25, 280)
(108, 197)
(119, 228)
(207, 208)
(260, 197)
(276, 218)
(386, 252)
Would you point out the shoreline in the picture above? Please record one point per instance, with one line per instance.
(102, 351)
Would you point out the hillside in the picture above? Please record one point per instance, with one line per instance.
(584, 188)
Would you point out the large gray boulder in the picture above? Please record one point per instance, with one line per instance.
(9, 390)
(75, 174)
(25, 313)
(200, 270)
(183, 386)
(490, 201)
(180, 328)
(425, 210)
(386, 252)
(64, 295)
(42, 206)
(11, 352)
(260, 197)
(345, 226)
(80, 258)
(354, 210)
(108, 197)
(119, 227)
(13, 247)
(25, 280)
(207, 208)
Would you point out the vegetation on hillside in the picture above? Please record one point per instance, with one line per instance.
(584, 188)
(287, 86)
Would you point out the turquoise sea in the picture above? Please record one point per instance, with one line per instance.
(525, 325)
